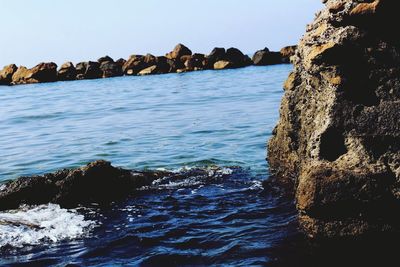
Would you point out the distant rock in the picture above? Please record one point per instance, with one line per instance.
(265, 57)
(67, 72)
(223, 64)
(236, 56)
(179, 51)
(43, 72)
(88, 70)
(216, 54)
(110, 69)
(134, 65)
(105, 59)
(6, 74)
(148, 71)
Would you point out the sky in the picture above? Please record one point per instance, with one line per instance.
(34, 31)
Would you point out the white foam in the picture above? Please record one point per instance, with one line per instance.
(2, 187)
(45, 223)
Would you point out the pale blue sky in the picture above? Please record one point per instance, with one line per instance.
(33, 31)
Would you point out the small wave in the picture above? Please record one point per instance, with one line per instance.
(44, 223)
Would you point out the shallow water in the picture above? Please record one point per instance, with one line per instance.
(172, 121)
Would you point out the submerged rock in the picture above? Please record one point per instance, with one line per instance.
(6, 74)
(338, 138)
(98, 182)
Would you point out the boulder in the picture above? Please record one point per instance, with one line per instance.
(237, 58)
(217, 54)
(121, 62)
(195, 62)
(287, 52)
(110, 69)
(43, 72)
(88, 70)
(337, 143)
(67, 72)
(98, 182)
(223, 64)
(134, 65)
(265, 57)
(6, 74)
(149, 70)
(179, 51)
(105, 59)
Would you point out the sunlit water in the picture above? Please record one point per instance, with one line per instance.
(173, 121)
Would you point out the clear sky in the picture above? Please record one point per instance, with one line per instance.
(34, 31)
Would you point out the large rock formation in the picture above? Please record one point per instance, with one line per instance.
(6, 74)
(338, 137)
(43, 72)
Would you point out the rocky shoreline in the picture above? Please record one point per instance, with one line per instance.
(181, 59)
(337, 143)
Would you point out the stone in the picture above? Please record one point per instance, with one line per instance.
(196, 61)
(97, 182)
(6, 74)
(149, 70)
(89, 70)
(134, 65)
(265, 57)
(337, 142)
(105, 59)
(179, 51)
(110, 69)
(223, 64)
(43, 72)
(67, 72)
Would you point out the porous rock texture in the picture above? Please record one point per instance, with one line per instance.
(338, 138)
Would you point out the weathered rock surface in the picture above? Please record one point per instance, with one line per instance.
(88, 70)
(43, 72)
(6, 74)
(98, 182)
(67, 72)
(287, 53)
(179, 51)
(338, 138)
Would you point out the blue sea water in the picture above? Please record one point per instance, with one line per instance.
(173, 121)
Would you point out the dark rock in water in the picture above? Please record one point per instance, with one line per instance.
(179, 51)
(105, 59)
(287, 52)
(88, 70)
(121, 62)
(98, 182)
(134, 65)
(43, 72)
(6, 74)
(195, 62)
(216, 54)
(338, 138)
(67, 72)
(110, 69)
(265, 57)
(237, 58)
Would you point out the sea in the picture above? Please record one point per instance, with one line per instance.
(216, 120)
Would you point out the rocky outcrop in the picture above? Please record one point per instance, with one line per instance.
(179, 51)
(98, 182)
(338, 138)
(181, 59)
(43, 72)
(6, 74)
(67, 72)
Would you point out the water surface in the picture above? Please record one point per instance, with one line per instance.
(198, 119)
